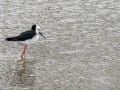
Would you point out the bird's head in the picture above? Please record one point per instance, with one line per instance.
(35, 28)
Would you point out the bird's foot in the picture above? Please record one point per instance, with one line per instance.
(22, 59)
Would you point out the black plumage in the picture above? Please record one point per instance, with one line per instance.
(23, 36)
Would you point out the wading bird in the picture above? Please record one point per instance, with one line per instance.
(26, 38)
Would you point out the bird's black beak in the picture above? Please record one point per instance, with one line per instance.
(42, 35)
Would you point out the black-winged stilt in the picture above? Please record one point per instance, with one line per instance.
(26, 38)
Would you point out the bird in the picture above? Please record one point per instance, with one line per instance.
(27, 37)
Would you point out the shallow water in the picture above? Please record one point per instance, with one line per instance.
(81, 51)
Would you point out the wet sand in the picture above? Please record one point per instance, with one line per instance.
(81, 52)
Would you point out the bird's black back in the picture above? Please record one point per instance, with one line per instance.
(23, 36)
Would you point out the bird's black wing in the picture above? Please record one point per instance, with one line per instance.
(22, 37)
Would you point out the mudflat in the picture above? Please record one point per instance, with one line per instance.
(81, 52)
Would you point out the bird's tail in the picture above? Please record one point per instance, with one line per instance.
(11, 39)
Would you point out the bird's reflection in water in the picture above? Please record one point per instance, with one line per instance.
(23, 74)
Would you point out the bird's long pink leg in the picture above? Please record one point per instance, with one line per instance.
(23, 53)
(25, 50)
